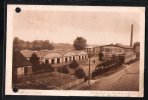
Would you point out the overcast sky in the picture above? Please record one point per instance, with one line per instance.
(63, 26)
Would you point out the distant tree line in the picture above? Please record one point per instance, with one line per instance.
(19, 44)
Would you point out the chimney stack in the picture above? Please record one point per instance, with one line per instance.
(131, 40)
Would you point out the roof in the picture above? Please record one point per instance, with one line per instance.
(19, 60)
(70, 53)
(82, 53)
(119, 45)
(28, 53)
(52, 55)
(91, 46)
(41, 53)
(63, 52)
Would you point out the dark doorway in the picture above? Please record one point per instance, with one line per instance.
(82, 57)
(52, 61)
(58, 60)
(73, 58)
(25, 70)
(69, 58)
(66, 59)
(79, 57)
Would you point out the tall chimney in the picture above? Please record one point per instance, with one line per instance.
(131, 40)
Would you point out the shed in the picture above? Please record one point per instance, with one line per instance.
(21, 66)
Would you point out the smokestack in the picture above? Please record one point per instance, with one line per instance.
(131, 40)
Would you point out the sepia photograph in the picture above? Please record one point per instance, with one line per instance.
(75, 50)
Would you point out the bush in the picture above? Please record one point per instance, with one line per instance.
(79, 73)
(116, 61)
(73, 64)
(47, 66)
(63, 69)
(100, 56)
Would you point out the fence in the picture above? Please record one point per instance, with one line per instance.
(57, 74)
(71, 84)
(32, 77)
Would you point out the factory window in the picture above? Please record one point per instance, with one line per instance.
(119, 50)
(107, 50)
(111, 50)
(115, 50)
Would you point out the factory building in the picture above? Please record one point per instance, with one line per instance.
(109, 50)
(57, 56)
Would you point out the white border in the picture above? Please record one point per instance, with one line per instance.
(8, 79)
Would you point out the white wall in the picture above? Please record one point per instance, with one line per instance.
(20, 71)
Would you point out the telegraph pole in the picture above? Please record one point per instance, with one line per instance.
(131, 39)
(89, 69)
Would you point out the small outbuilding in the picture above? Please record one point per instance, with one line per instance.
(20, 66)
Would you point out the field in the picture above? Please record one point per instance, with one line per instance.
(46, 80)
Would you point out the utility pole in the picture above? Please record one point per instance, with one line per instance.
(89, 69)
(131, 39)
(89, 74)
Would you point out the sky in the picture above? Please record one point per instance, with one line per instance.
(63, 26)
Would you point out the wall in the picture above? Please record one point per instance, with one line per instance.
(20, 71)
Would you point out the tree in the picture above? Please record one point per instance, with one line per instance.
(80, 73)
(35, 62)
(48, 66)
(16, 44)
(19, 44)
(63, 69)
(79, 43)
(48, 45)
(73, 64)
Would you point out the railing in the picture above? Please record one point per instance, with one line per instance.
(71, 84)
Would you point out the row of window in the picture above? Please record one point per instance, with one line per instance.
(66, 59)
(111, 50)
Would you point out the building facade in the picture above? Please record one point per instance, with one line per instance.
(57, 57)
(92, 49)
(109, 50)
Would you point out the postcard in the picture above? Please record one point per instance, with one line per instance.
(61, 50)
